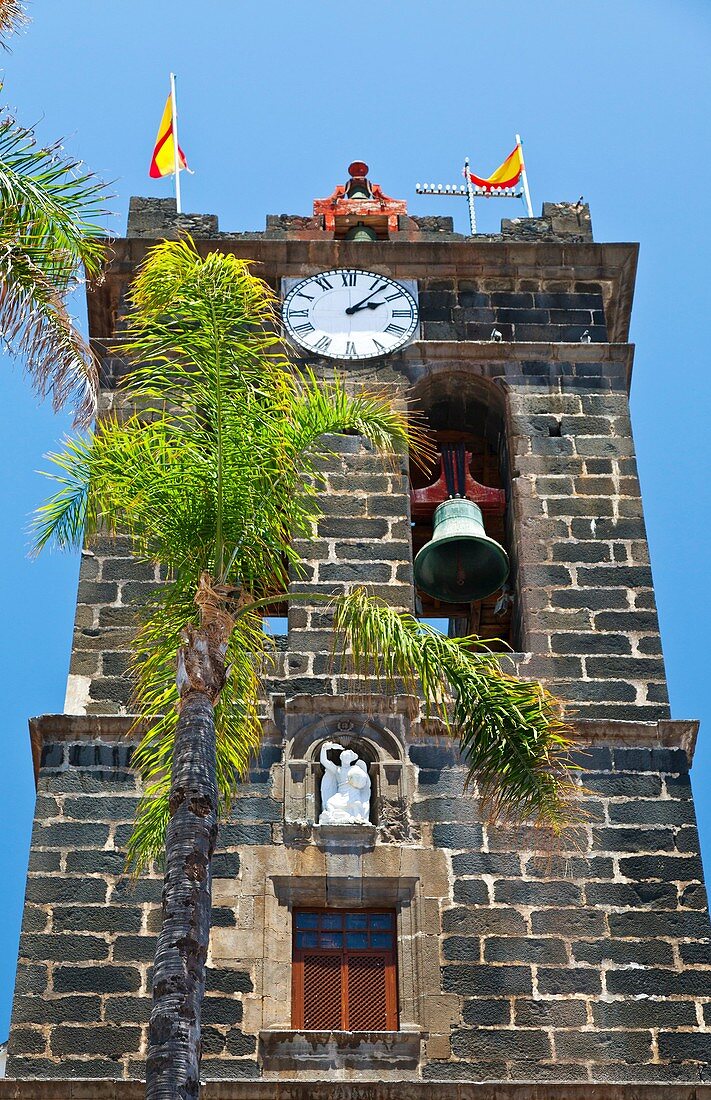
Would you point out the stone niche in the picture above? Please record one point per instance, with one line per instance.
(378, 736)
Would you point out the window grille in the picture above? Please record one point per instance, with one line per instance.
(344, 970)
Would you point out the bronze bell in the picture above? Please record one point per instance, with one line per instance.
(357, 188)
(460, 563)
(361, 232)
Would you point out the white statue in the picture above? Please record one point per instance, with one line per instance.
(345, 788)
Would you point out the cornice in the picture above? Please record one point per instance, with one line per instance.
(665, 733)
(611, 265)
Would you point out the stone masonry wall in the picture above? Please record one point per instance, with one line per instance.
(587, 606)
(584, 603)
(82, 995)
(112, 586)
(465, 312)
(589, 963)
(597, 957)
(363, 537)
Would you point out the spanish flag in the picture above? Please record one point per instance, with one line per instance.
(163, 161)
(506, 175)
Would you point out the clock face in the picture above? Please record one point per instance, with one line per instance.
(350, 314)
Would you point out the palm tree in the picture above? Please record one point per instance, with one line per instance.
(211, 469)
(50, 206)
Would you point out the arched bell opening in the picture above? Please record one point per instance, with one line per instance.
(465, 416)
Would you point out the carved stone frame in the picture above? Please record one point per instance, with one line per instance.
(378, 740)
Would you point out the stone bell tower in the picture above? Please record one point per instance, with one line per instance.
(415, 949)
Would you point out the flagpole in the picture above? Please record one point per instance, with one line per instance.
(470, 197)
(176, 147)
(524, 177)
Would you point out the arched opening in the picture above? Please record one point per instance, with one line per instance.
(465, 417)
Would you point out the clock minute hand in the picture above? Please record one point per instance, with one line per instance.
(361, 304)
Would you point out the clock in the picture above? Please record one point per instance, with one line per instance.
(350, 314)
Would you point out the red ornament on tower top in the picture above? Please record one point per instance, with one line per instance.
(360, 202)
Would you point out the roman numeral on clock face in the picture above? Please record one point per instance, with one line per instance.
(304, 327)
(323, 282)
(350, 350)
(380, 347)
(392, 297)
(301, 313)
(396, 330)
(400, 313)
(323, 344)
(349, 278)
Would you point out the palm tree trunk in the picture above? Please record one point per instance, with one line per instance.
(174, 1045)
(173, 1066)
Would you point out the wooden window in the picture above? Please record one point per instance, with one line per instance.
(344, 970)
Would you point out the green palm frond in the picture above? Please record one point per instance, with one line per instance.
(216, 474)
(511, 733)
(50, 207)
(63, 519)
(325, 407)
(237, 720)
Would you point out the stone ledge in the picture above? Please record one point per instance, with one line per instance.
(342, 1090)
(77, 727)
(428, 352)
(81, 727)
(665, 733)
(371, 704)
(363, 1052)
(333, 889)
(348, 837)
(107, 728)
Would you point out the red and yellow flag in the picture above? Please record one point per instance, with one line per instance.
(506, 175)
(163, 161)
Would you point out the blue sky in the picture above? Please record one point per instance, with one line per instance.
(612, 100)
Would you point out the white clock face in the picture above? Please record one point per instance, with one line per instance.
(350, 314)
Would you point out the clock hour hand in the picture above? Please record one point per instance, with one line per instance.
(368, 305)
(362, 303)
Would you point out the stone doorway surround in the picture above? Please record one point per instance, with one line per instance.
(336, 870)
